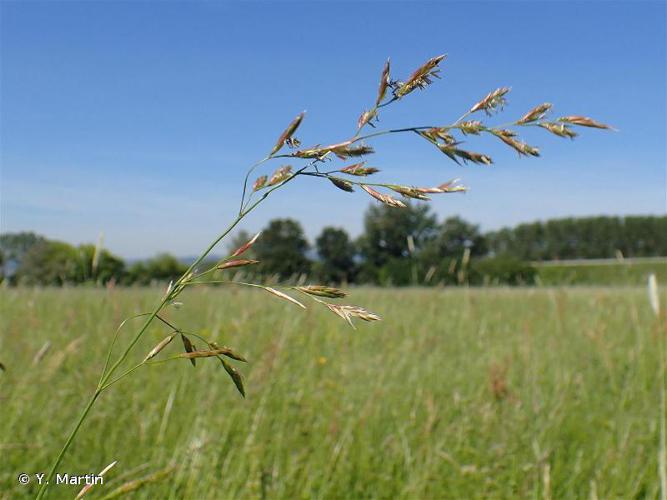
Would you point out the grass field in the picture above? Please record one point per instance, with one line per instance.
(464, 393)
(609, 272)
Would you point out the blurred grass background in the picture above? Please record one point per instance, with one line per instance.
(457, 393)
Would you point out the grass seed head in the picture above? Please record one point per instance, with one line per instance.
(236, 263)
(537, 113)
(156, 350)
(322, 291)
(384, 83)
(259, 183)
(284, 296)
(366, 117)
(189, 348)
(280, 175)
(439, 133)
(447, 187)
(471, 127)
(352, 151)
(87, 487)
(347, 312)
(359, 170)
(384, 198)
(409, 192)
(559, 129)
(520, 147)
(492, 102)
(421, 78)
(227, 351)
(234, 375)
(342, 184)
(246, 245)
(454, 153)
(287, 134)
(584, 121)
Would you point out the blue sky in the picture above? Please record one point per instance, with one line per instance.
(138, 120)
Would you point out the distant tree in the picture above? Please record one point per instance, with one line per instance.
(336, 253)
(388, 235)
(101, 270)
(455, 235)
(48, 263)
(282, 249)
(163, 267)
(14, 246)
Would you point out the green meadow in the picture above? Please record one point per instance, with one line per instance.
(456, 393)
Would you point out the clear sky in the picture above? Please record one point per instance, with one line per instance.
(139, 119)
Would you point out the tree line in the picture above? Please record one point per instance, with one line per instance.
(397, 247)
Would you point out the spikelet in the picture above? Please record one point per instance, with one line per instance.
(259, 183)
(189, 348)
(280, 175)
(236, 263)
(283, 296)
(341, 184)
(384, 84)
(448, 187)
(322, 291)
(438, 133)
(359, 170)
(366, 117)
(454, 153)
(287, 134)
(349, 151)
(584, 121)
(156, 350)
(559, 129)
(384, 198)
(521, 147)
(246, 245)
(227, 351)
(409, 192)
(87, 487)
(492, 102)
(224, 351)
(347, 312)
(422, 77)
(537, 113)
(234, 375)
(471, 127)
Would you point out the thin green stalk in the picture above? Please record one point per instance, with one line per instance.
(105, 382)
(72, 435)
